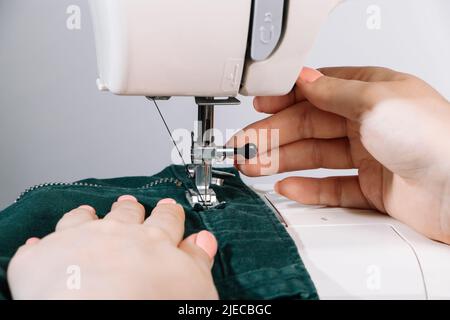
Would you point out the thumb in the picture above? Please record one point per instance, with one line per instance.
(347, 98)
(202, 247)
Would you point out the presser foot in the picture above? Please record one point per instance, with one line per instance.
(197, 196)
(204, 201)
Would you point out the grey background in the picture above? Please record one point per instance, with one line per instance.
(56, 126)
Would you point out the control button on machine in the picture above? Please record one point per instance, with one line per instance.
(266, 28)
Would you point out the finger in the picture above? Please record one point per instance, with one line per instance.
(302, 155)
(348, 98)
(168, 217)
(348, 91)
(366, 74)
(273, 105)
(332, 192)
(32, 241)
(300, 121)
(76, 217)
(127, 210)
(202, 247)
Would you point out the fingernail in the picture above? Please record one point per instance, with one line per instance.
(276, 187)
(192, 238)
(207, 242)
(32, 240)
(86, 207)
(166, 201)
(256, 104)
(127, 198)
(310, 75)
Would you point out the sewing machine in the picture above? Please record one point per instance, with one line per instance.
(205, 49)
(214, 50)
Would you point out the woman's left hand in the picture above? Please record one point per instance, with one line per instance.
(118, 257)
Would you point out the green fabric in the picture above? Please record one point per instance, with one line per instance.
(257, 259)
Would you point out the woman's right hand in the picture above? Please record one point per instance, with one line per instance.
(393, 127)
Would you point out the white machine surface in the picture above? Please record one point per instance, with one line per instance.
(361, 254)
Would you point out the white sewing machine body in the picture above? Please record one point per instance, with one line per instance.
(362, 254)
(208, 48)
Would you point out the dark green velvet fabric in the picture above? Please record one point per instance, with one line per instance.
(257, 259)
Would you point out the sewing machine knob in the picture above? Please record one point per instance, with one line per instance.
(249, 151)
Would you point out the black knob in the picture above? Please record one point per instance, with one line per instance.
(249, 151)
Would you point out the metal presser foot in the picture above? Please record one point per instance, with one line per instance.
(204, 152)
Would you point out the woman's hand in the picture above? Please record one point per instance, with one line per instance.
(392, 127)
(118, 257)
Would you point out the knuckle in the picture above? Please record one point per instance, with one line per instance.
(374, 73)
(334, 192)
(385, 74)
(128, 209)
(378, 71)
(61, 224)
(337, 192)
(409, 78)
(131, 205)
(371, 94)
(70, 213)
(107, 226)
(305, 126)
(316, 154)
(282, 165)
(180, 210)
(84, 212)
(173, 212)
(157, 233)
(343, 125)
(348, 154)
(92, 215)
(400, 76)
(132, 213)
(327, 90)
(369, 89)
